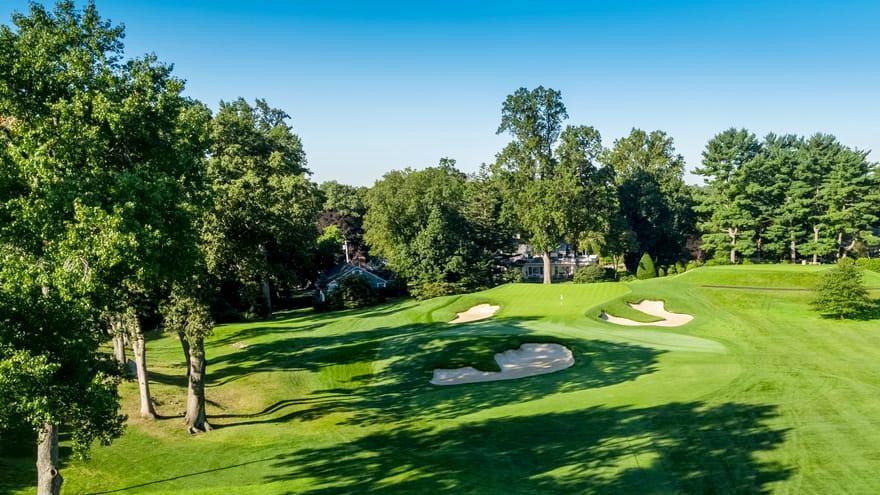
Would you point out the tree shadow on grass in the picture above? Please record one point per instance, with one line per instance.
(398, 364)
(674, 448)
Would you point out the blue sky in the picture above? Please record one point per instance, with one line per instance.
(375, 86)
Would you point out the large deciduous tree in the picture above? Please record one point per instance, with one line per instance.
(653, 198)
(261, 229)
(549, 173)
(436, 228)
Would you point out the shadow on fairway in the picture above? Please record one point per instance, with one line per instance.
(397, 389)
(675, 448)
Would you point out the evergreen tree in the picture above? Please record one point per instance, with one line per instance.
(842, 293)
(646, 268)
(727, 200)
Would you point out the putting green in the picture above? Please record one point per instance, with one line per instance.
(756, 394)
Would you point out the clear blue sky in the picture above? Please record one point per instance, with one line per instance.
(372, 88)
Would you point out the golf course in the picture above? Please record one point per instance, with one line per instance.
(756, 395)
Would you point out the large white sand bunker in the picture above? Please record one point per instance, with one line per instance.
(528, 360)
(653, 308)
(478, 312)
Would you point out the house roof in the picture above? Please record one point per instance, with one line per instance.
(343, 270)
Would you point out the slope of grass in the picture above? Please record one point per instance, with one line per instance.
(756, 395)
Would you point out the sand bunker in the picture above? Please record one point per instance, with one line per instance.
(479, 312)
(653, 308)
(528, 360)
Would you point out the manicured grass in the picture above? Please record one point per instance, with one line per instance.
(757, 394)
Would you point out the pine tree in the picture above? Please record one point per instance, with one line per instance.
(727, 202)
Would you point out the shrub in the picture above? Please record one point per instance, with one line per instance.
(428, 290)
(679, 268)
(719, 261)
(626, 277)
(646, 268)
(748, 261)
(872, 264)
(589, 274)
(842, 293)
(351, 292)
(512, 275)
(661, 272)
(693, 264)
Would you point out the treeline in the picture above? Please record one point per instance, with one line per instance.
(786, 198)
(445, 232)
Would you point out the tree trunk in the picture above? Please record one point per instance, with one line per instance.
(119, 348)
(187, 355)
(195, 392)
(732, 233)
(840, 248)
(547, 268)
(264, 282)
(48, 478)
(815, 244)
(793, 250)
(139, 349)
(267, 296)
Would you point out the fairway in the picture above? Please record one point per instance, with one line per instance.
(755, 395)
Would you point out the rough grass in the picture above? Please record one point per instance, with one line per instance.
(756, 395)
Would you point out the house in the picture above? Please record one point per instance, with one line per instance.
(330, 280)
(564, 262)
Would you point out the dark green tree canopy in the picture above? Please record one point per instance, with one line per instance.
(654, 200)
(261, 227)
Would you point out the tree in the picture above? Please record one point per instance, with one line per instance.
(52, 373)
(788, 194)
(727, 200)
(74, 129)
(652, 195)
(849, 196)
(842, 293)
(261, 228)
(547, 187)
(186, 313)
(417, 221)
(343, 208)
(646, 268)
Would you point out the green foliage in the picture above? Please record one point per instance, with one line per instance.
(261, 227)
(589, 274)
(661, 272)
(433, 229)
(186, 312)
(786, 197)
(646, 268)
(719, 261)
(679, 267)
(731, 213)
(872, 264)
(842, 293)
(694, 264)
(654, 202)
(551, 194)
(51, 366)
(512, 275)
(329, 248)
(352, 292)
